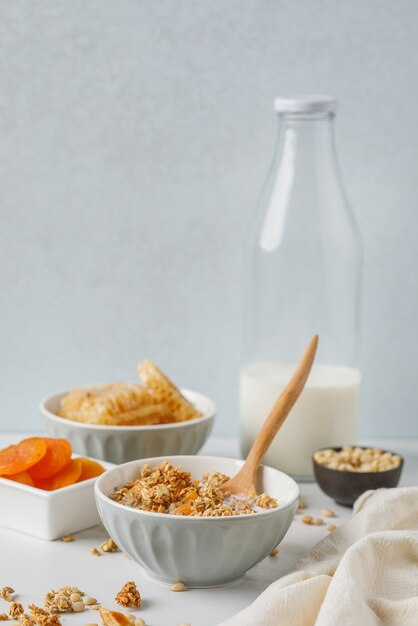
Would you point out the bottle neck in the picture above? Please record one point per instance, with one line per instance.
(306, 141)
(304, 172)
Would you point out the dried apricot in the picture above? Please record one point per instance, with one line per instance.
(18, 458)
(43, 483)
(184, 509)
(58, 454)
(89, 469)
(68, 475)
(21, 477)
(190, 495)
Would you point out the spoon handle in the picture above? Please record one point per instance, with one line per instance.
(281, 408)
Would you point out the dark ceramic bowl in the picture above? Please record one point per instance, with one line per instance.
(345, 487)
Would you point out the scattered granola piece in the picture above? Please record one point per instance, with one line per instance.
(95, 552)
(60, 601)
(129, 596)
(68, 538)
(48, 620)
(16, 609)
(25, 620)
(306, 519)
(109, 546)
(331, 527)
(317, 521)
(68, 590)
(327, 513)
(114, 618)
(40, 617)
(178, 587)
(301, 505)
(36, 610)
(6, 594)
(3, 617)
(274, 552)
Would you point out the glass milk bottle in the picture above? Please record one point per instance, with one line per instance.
(303, 277)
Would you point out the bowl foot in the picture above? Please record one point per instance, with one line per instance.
(191, 585)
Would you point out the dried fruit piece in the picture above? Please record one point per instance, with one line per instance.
(68, 475)
(42, 483)
(184, 509)
(129, 596)
(114, 618)
(89, 469)
(18, 458)
(58, 454)
(190, 495)
(21, 477)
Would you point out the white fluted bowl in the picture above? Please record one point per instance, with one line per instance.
(198, 551)
(118, 444)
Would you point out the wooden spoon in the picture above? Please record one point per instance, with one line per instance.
(243, 482)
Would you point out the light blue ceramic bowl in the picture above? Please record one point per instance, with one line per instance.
(198, 551)
(118, 444)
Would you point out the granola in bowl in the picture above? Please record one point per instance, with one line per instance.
(168, 489)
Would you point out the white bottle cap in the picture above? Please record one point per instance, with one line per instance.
(306, 104)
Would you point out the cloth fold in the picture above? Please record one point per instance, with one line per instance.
(365, 573)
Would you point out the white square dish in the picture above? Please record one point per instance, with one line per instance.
(49, 514)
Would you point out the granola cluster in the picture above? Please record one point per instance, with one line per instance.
(7, 594)
(39, 617)
(129, 596)
(16, 609)
(167, 489)
(60, 601)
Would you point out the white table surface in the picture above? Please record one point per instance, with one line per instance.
(32, 566)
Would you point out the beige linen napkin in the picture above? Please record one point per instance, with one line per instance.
(365, 573)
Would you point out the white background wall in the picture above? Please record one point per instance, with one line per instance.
(134, 138)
